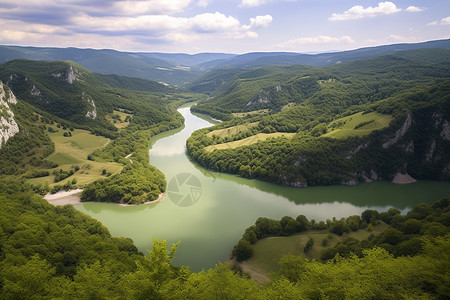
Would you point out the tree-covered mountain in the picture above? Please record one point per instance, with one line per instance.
(76, 94)
(359, 121)
(259, 59)
(52, 113)
(181, 68)
(138, 65)
(295, 125)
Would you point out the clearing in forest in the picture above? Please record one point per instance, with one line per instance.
(72, 151)
(358, 124)
(231, 131)
(248, 141)
(268, 252)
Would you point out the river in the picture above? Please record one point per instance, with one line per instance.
(208, 211)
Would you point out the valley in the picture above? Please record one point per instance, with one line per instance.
(279, 167)
(210, 228)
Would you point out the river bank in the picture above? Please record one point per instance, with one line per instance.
(74, 197)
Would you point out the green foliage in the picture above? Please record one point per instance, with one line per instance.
(57, 252)
(378, 93)
(138, 182)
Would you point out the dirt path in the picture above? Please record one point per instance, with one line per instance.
(128, 157)
(256, 275)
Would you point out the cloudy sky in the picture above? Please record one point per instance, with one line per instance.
(232, 26)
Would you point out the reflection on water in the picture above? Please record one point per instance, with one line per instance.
(228, 204)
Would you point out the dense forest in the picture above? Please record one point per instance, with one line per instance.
(404, 236)
(60, 95)
(57, 252)
(401, 101)
(295, 125)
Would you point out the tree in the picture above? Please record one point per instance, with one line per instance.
(302, 223)
(292, 267)
(369, 216)
(243, 250)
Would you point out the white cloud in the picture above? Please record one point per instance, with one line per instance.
(443, 21)
(259, 21)
(203, 3)
(163, 26)
(99, 7)
(359, 12)
(216, 22)
(413, 9)
(140, 7)
(252, 3)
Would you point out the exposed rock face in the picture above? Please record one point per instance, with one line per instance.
(263, 97)
(92, 112)
(429, 155)
(399, 133)
(410, 147)
(35, 91)
(357, 149)
(403, 178)
(8, 126)
(445, 133)
(350, 182)
(68, 75)
(294, 183)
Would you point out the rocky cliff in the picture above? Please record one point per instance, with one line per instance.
(8, 126)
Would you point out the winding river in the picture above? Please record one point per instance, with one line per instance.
(208, 211)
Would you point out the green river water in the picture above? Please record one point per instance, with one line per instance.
(226, 204)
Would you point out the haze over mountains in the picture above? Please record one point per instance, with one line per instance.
(179, 68)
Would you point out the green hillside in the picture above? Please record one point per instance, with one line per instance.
(82, 129)
(73, 93)
(141, 65)
(359, 121)
(57, 252)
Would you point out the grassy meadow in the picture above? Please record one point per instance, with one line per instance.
(268, 252)
(248, 141)
(71, 151)
(358, 124)
(234, 130)
(120, 122)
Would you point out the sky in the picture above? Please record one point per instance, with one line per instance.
(231, 26)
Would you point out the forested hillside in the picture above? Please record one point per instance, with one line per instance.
(141, 65)
(63, 109)
(57, 252)
(359, 121)
(64, 127)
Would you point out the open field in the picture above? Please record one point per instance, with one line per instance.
(358, 125)
(230, 131)
(268, 252)
(251, 113)
(287, 106)
(120, 122)
(73, 151)
(248, 141)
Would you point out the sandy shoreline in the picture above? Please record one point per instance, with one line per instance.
(73, 197)
(400, 178)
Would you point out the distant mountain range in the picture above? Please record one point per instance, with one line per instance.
(180, 68)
